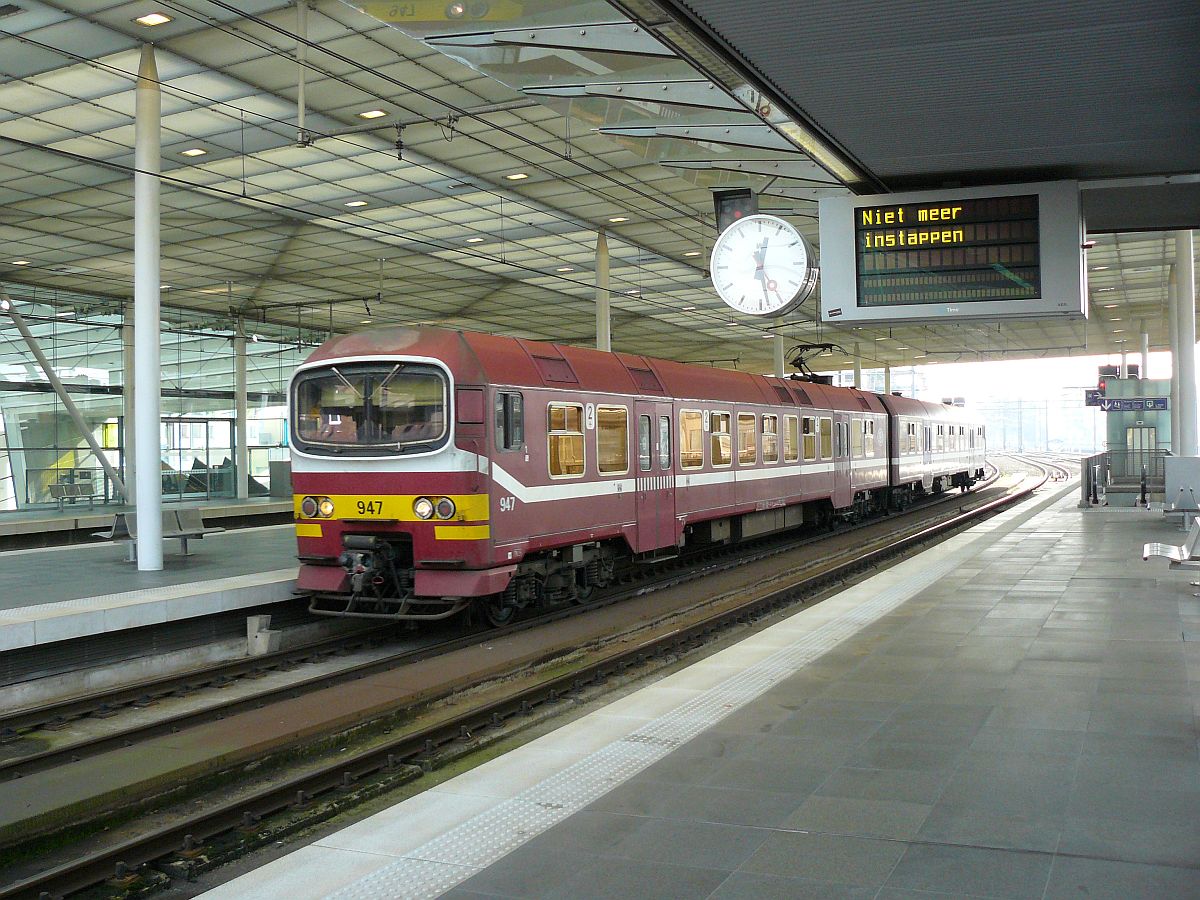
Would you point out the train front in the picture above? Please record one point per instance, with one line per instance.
(391, 507)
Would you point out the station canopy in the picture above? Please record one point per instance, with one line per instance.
(457, 159)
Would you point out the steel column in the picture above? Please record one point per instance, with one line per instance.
(127, 406)
(147, 339)
(779, 362)
(241, 441)
(1184, 322)
(857, 368)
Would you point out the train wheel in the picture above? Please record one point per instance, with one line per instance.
(498, 612)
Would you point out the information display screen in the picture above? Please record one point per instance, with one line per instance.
(950, 251)
(985, 253)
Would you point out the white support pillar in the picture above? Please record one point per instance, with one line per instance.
(603, 318)
(779, 362)
(241, 453)
(147, 339)
(857, 368)
(1173, 337)
(127, 407)
(303, 139)
(887, 379)
(1144, 372)
(1185, 324)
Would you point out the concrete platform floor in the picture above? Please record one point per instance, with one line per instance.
(1012, 713)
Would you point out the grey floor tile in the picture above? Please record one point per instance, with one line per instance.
(750, 886)
(623, 879)
(1180, 723)
(1175, 844)
(527, 872)
(971, 871)
(920, 757)
(767, 775)
(826, 857)
(693, 844)
(1132, 803)
(896, 819)
(1148, 748)
(699, 803)
(1099, 879)
(805, 726)
(884, 784)
(1040, 718)
(957, 824)
(1036, 793)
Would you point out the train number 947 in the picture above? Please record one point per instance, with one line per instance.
(508, 504)
(369, 507)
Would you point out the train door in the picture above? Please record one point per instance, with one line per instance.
(927, 457)
(843, 486)
(655, 476)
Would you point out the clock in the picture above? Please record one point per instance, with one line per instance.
(762, 266)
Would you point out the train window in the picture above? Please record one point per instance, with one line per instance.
(644, 460)
(940, 446)
(970, 438)
(564, 440)
(691, 439)
(810, 437)
(770, 438)
(869, 438)
(747, 439)
(510, 421)
(856, 439)
(370, 408)
(912, 444)
(827, 439)
(612, 440)
(664, 443)
(720, 440)
(840, 446)
(791, 439)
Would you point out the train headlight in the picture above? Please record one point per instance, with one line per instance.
(325, 508)
(445, 508)
(423, 507)
(308, 507)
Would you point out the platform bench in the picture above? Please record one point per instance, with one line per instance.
(1185, 555)
(182, 524)
(60, 492)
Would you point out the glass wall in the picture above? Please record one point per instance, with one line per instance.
(41, 449)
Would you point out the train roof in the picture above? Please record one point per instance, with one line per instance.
(477, 358)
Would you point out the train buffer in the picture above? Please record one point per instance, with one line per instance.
(1182, 556)
(182, 524)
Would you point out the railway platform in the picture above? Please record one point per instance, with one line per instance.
(61, 593)
(1011, 713)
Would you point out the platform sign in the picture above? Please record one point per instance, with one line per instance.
(972, 253)
(1134, 404)
(1092, 396)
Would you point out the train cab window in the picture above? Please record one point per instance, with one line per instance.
(791, 438)
(856, 439)
(664, 443)
(612, 440)
(720, 439)
(691, 439)
(747, 439)
(827, 439)
(810, 437)
(644, 460)
(510, 421)
(564, 440)
(770, 438)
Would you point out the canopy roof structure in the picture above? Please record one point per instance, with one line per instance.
(334, 166)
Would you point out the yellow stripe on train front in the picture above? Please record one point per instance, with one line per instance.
(462, 532)
(395, 507)
(308, 529)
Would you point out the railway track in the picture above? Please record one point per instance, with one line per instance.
(395, 760)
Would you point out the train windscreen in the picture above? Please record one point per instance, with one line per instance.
(370, 408)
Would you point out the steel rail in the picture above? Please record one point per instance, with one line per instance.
(411, 748)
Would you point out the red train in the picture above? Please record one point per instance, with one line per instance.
(436, 469)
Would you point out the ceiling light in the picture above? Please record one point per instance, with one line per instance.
(633, 291)
(1114, 319)
(357, 203)
(365, 322)
(372, 114)
(1118, 331)
(164, 287)
(881, 338)
(565, 269)
(1110, 306)
(1121, 341)
(194, 151)
(1099, 268)
(692, 253)
(902, 348)
(616, 220)
(20, 262)
(152, 19)
(475, 240)
(517, 176)
(1098, 290)
(732, 324)
(687, 308)
(766, 336)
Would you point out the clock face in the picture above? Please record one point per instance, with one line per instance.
(762, 266)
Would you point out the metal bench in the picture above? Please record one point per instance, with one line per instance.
(61, 492)
(1182, 556)
(181, 524)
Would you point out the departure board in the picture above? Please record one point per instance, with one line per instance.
(1005, 251)
(958, 251)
